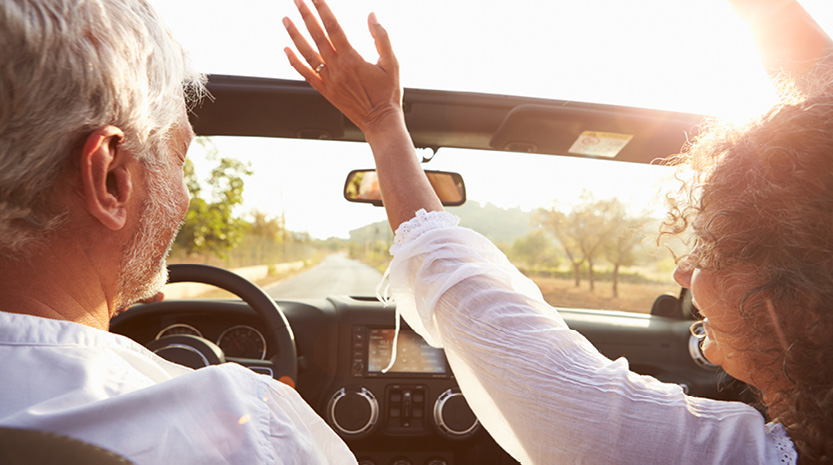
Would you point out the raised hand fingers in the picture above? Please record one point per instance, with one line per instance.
(387, 59)
(310, 54)
(325, 47)
(308, 74)
(337, 36)
(366, 93)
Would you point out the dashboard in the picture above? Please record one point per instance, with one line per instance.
(411, 413)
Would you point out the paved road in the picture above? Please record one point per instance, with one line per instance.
(335, 275)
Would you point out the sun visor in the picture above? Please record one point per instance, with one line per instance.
(595, 131)
(265, 108)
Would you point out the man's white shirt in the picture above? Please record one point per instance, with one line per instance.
(107, 390)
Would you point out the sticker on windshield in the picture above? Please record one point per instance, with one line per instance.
(601, 144)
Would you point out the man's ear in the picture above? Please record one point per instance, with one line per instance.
(105, 178)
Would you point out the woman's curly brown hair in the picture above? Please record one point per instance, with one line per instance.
(760, 197)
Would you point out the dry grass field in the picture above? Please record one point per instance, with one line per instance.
(637, 298)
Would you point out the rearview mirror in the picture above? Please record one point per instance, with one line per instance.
(363, 186)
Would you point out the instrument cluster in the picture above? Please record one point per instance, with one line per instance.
(239, 341)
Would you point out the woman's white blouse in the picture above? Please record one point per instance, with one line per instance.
(542, 390)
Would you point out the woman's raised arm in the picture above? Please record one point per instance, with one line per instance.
(371, 96)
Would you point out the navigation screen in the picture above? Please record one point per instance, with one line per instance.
(413, 354)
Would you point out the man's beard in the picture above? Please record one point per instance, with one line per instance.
(143, 268)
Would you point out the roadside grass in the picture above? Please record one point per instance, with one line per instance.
(375, 259)
(636, 292)
(633, 297)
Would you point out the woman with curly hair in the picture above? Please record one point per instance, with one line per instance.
(761, 208)
(760, 203)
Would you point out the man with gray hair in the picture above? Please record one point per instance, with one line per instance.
(93, 136)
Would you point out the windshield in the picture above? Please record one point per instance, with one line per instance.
(273, 209)
(293, 232)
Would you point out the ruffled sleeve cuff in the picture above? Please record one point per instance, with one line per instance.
(419, 224)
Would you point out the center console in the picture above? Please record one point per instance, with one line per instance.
(416, 396)
(415, 400)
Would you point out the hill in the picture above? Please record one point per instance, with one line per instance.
(498, 224)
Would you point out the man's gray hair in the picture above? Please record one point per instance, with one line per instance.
(68, 67)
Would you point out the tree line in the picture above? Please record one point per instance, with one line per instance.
(586, 233)
(214, 229)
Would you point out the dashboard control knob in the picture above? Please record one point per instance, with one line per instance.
(353, 412)
(453, 417)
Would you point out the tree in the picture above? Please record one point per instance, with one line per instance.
(583, 231)
(559, 225)
(594, 223)
(267, 237)
(271, 229)
(211, 225)
(534, 249)
(619, 250)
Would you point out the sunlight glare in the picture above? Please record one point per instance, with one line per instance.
(682, 55)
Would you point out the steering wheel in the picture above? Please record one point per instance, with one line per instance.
(284, 366)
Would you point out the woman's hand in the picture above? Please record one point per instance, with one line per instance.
(369, 94)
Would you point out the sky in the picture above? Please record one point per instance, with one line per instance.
(684, 55)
